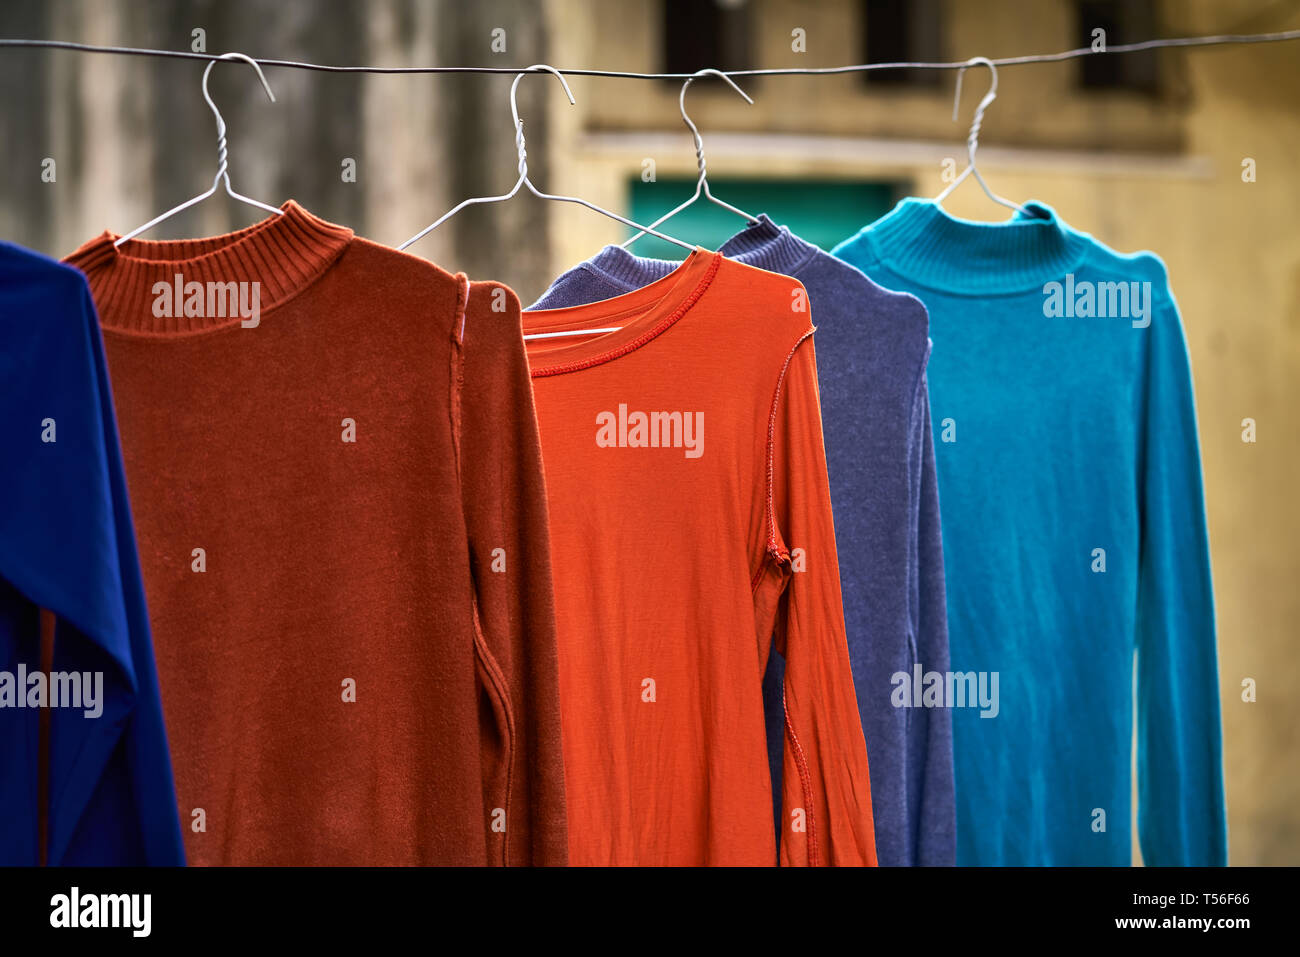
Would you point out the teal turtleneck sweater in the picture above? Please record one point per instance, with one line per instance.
(1074, 540)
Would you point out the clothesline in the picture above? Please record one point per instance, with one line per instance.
(1172, 42)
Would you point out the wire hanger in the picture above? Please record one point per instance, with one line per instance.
(972, 139)
(701, 184)
(523, 174)
(223, 166)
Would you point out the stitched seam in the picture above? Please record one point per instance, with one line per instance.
(772, 549)
(920, 370)
(805, 783)
(48, 625)
(462, 304)
(801, 761)
(490, 666)
(642, 339)
(454, 406)
(499, 685)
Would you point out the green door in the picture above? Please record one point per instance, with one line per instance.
(823, 213)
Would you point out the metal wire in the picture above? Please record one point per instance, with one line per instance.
(1216, 40)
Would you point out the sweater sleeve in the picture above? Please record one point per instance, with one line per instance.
(937, 818)
(1180, 764)
(67, 545)
(826, 789)
(506, 518)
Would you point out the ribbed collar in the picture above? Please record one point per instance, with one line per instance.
(768, 246)
(918, 240)
(762, 244)
(284, 253)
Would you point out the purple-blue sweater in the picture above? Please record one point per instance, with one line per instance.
(872, 349)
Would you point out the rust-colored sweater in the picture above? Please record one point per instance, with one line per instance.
(691, 522)
(359, 666)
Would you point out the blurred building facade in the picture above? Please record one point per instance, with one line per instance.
(1146, 151)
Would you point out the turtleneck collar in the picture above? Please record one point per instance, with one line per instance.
(765, 244)
(284, 253)
(920, 241)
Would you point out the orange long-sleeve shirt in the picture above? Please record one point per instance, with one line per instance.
(691, 528)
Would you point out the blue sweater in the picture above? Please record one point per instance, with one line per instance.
(67, 545)
(871, 357)
(1074, 539)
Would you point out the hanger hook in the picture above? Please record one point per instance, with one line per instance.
(514, 109)
(992, 94)
(222, 155)
(233, 56)
(973, 137)
(690, 124)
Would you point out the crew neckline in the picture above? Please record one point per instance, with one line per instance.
(284, 253)
(920, 241)
(643, 314)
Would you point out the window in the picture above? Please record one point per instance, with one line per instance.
(902, 30)
(1125, 21)
(707, 33)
